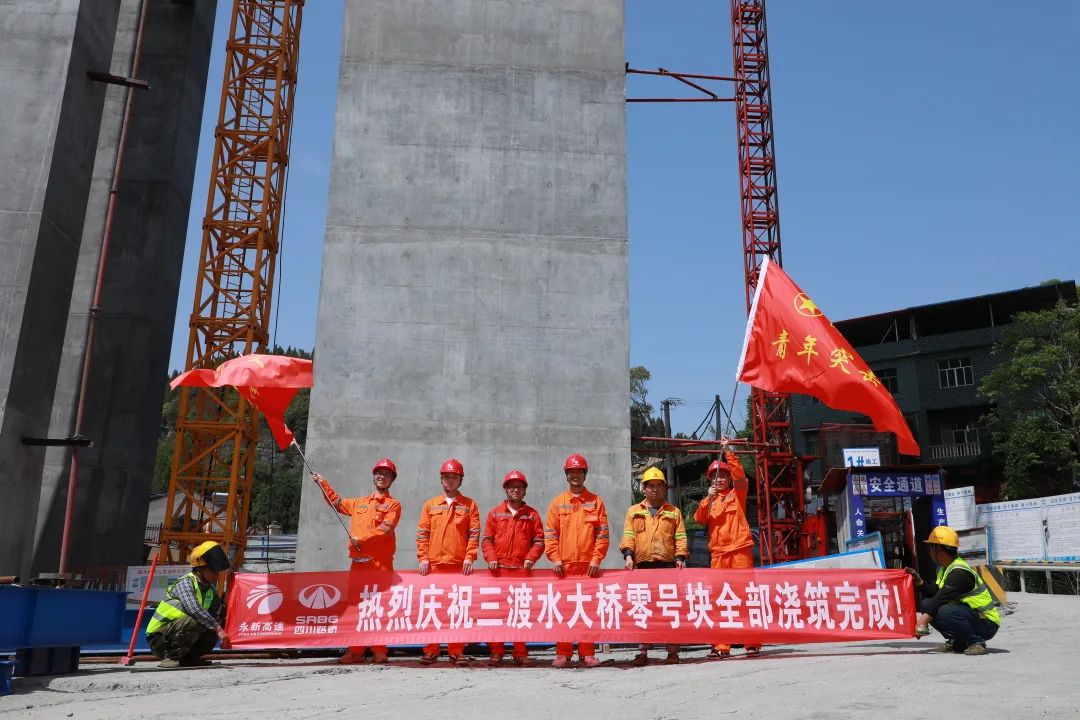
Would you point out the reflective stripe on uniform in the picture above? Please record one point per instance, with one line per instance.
(979, 598)
(171, 608)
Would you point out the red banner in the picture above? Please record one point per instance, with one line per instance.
(335, 609)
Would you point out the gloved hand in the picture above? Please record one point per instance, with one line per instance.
(328, 492)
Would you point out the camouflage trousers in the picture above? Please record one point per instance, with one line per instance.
(184, 640)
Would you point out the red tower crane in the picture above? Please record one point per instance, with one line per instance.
(779, 470)
(781, 502)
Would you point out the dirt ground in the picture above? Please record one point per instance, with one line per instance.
(1033, 671)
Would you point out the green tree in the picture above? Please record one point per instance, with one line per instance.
(1035, 387)
(642, 421)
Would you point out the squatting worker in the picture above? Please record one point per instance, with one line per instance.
(187, 623)
(576, 540)
(513, 541)
(654, 536)
(372, 536)
(958, 604)
(447, 541)
(723, 513)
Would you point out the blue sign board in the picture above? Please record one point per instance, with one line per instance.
(880, 484)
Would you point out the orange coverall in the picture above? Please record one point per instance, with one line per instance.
(659, 538)
(576, 534)
(510, 539)
(724, 518)
(447, 536)
(374, 518)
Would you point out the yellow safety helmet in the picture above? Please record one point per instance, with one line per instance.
(209, 554)
(943, 535)
(651, 475)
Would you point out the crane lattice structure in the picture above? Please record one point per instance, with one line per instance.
(217, 433)
(781, 501)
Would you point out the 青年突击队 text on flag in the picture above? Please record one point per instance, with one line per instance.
(791, 347)
(269, 382)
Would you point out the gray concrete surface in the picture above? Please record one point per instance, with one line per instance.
(134, 332)
(1030, 673)
(50, 115)
(474, 296)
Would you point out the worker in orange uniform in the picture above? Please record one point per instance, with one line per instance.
(654, 536)
(723, 513)
(576, 540)
(372, 538)
(512, 543)
(448, 541)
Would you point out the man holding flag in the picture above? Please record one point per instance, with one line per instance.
(372, 540)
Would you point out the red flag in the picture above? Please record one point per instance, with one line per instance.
(791, 347)
(269, 382)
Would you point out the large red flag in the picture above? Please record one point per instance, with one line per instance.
(791, 347)
(269, 382)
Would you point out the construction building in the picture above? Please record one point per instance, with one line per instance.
(474, 297)
(67, 66)
(931, 358)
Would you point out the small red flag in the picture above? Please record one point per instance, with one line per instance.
(791, 347)
(269, 382)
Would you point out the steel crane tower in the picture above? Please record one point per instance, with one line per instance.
(217, 431)
(781, 500)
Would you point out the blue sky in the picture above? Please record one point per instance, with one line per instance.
(926, 150)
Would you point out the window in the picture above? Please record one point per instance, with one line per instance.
(888, 378)
(955, 372)
(958, 432)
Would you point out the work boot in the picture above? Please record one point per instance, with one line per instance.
(976, 649)
(560, 661)
(640, 660)
(590, 661)
(495, 660)
(428, 659)
(945, 647)
(169, 664)
(350, 659)
(524, 661)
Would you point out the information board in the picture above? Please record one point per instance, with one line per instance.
(1039, 529)
(960, 507)
(163, 575)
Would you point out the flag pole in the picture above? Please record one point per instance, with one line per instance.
(313, 474)
(753, 314)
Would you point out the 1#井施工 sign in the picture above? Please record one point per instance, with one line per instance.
(700, 605)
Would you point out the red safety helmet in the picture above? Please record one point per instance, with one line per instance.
(452, 466)
(515, 475)
(716, 467)
(386, 464)
(576, 462)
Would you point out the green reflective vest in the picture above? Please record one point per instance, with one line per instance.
(979, 599)
(170, 608)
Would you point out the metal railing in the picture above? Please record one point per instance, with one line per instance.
(955, 450)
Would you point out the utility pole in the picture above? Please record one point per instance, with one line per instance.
(669, 458)
(716, 414)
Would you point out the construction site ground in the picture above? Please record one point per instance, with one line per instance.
(1032, 671)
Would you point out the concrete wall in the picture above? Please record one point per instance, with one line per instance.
(50, 119)
(134, 332)
(474, 297)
